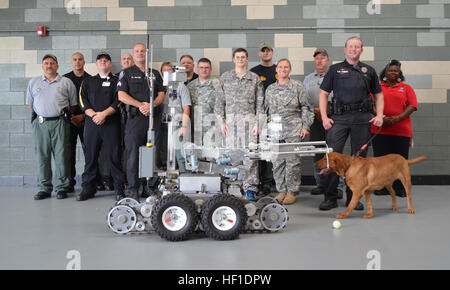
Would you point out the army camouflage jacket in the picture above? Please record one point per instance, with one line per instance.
(290, 101)
(204, 94)
(239, 97)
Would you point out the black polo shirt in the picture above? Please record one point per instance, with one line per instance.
(351, 84)
(132, 81)
(267, 74)
(99, 93)
(77, 82)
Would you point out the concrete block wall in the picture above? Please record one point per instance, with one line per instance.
(415, 32)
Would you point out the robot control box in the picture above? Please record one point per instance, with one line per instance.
(146, 161)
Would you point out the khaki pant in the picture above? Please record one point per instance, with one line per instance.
(52, 138)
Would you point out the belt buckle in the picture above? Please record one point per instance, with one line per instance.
(41, 119)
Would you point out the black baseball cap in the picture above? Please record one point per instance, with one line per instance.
(103, 55)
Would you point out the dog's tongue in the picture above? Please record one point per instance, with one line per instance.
(324, 171)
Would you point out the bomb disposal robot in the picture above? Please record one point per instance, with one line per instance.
(208, 198)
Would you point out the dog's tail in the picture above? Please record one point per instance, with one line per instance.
(417, 160)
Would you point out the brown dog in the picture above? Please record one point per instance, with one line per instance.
(364, 175)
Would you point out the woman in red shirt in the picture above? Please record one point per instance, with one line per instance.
(399, 103)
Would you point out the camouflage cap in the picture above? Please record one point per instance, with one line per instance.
(264, 45)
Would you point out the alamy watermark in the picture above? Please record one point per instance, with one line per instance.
(374, 257)
(73, 7)
(74, 257)
(373, 7)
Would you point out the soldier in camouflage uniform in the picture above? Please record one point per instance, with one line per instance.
(239, 103)
(289, 99)
(203, 98)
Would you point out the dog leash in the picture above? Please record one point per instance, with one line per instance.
(326, 154)
(367, 143)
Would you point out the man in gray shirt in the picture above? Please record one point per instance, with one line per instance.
(312, 84)
(182, 106)
(49, 98)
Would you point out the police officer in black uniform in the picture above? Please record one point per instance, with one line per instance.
(99, 101)
(134, 92)
(351, 110)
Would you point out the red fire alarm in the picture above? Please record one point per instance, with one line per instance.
(41, 31)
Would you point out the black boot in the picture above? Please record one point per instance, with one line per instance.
(328, 204)
(85, 195)
(119, 193)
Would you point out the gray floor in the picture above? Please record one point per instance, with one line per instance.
(40, 234)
